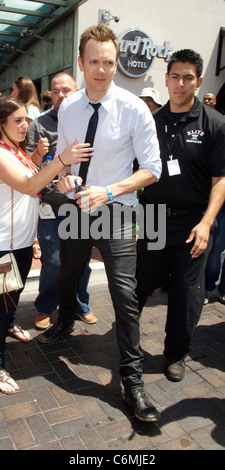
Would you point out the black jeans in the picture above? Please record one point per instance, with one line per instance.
(7, 320)
(185, 277)
(119, 256)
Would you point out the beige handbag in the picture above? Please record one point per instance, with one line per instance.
(10, 279)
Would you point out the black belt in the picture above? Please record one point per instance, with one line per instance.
(170, 212)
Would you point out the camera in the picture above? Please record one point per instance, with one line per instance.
(77, 189)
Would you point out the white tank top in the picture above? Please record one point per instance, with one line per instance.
(25, 212)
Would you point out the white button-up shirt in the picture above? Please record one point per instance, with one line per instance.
(126, 130)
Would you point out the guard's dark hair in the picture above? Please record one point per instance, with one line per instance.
(187, 55)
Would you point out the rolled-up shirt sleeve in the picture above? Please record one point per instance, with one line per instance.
(145, 143)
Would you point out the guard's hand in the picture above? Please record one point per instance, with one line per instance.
(201, 235)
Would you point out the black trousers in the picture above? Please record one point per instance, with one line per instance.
(185, 277)
(118, 250)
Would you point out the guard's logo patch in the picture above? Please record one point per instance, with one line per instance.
(195, 136)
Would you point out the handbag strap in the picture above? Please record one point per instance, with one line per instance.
(12, 207)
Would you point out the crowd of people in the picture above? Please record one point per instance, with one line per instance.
(95, 135)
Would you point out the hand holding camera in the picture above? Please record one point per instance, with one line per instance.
(79, 188)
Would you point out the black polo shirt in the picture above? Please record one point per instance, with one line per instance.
(195, 141)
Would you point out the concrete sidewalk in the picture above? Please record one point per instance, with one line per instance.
(70, 396)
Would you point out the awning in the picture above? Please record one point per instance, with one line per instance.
(220, 49)
(24, 21)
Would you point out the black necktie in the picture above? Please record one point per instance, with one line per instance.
(90, 135)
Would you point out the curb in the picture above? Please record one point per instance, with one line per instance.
(98, 276)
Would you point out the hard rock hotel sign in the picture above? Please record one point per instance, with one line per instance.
(137, 52)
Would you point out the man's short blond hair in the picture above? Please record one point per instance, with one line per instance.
(100, 33)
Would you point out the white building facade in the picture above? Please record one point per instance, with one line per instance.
(149, 31)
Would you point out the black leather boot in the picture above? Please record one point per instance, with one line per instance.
(53, 333)
(143, 409)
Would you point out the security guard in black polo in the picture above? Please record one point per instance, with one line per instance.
(192, 188)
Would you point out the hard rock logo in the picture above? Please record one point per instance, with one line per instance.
(137, 52)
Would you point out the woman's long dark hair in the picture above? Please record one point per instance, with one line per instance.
(27, 91)
(9, 105)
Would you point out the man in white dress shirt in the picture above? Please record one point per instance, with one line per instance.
(125, 131)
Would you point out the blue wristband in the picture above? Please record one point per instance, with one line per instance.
(110, 194)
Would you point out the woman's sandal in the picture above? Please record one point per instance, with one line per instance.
(7, 384)
(18, 333)
(36, 249)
